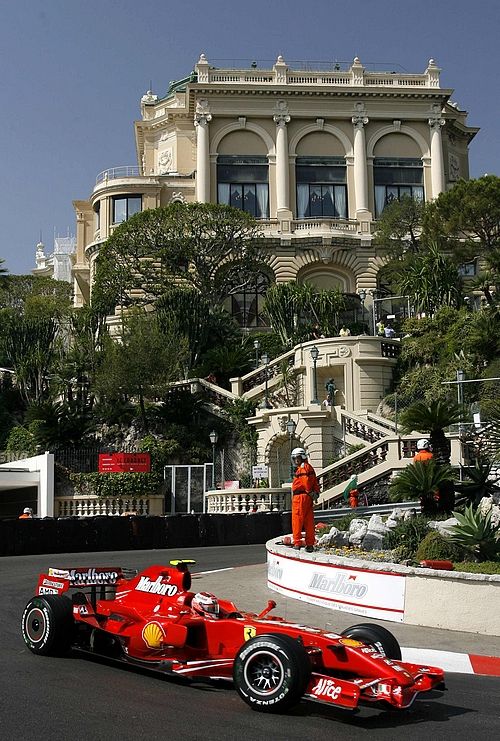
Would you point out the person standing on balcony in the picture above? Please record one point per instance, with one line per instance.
(305, 490)
(344, 331)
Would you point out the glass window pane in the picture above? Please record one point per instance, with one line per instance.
(262, 211)
(223, 194)
(236, 196)
(418, 193)
(249, 200)
(119, 210)
(315, 200)
(328, 205)
(134, 205)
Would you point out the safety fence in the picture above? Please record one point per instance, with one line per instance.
(80, 535)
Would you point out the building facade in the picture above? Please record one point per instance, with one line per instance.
(314, 154)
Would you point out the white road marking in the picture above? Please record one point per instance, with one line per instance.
(214, 571)
(447, 660)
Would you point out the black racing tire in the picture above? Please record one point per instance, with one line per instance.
(377, 637)
(47, 625)
(271, 672)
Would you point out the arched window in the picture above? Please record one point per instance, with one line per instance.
(242, 182)
(395, 178)
(321, 187)
(246, 302)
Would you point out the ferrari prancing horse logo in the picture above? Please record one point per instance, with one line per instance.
(249, 632)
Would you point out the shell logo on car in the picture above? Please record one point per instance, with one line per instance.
(351, 642)
(153, 635)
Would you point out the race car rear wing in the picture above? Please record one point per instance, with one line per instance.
(57, 581)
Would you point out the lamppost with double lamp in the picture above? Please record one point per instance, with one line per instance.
(265, 360)
(291, 426)
(213, 439)
(256, 345)
(315, 356)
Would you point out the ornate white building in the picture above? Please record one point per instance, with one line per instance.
(315, 155)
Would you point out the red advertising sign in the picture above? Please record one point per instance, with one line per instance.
(124, 462)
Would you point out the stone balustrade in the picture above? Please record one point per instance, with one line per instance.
(247, 500)
(91, 505)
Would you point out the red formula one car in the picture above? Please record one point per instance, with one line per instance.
(151, 619)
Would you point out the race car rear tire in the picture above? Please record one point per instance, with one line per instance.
(271, 672)
(376, 636)
(47, 625)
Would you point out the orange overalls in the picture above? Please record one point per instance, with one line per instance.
(304, 486)
(423, 456)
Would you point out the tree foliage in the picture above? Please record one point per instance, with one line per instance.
(35, 296)
(468, 218)
(432, 418)
(30, 348)
(141, 365)
(294, 308)
(211, 248)
(430, 279)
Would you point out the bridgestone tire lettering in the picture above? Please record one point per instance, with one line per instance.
(271, 672)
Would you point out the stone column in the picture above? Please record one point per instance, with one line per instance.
(359, 121)
(437, 163)
(281, 118)
(202, 117)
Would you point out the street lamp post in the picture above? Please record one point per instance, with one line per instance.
(265, 360)
(213, 439)
(256, 345)
(291, 426)
(314, 356)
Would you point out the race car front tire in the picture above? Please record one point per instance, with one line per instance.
(377, 637)
(47, 625)
(271, 672)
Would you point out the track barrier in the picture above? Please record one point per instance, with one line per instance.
(110, 533)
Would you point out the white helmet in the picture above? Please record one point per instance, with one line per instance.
(27, 511)
(299, 451)
(205, 603)
(423, 444)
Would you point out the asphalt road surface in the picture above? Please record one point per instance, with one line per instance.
(78, 698)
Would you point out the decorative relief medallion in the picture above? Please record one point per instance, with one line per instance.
(165, 162)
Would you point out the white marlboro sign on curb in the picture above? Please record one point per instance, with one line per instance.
(372, 594)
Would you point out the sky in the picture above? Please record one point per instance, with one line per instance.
(72, 74)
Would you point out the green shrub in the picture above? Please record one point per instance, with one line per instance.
(476, 533)
(113, 485)
(406, 537)
(486, 567)
(436, 547)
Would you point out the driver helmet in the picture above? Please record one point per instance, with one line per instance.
(205, 603)
(27, 511)
(423, 444)
(298, 452)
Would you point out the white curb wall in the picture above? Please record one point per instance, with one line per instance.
(387, 591)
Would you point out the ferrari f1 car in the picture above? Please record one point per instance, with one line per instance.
(152, 619)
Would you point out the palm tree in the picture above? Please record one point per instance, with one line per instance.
(432, 418)
(421, 480)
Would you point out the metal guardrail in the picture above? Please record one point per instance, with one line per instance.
(380, 509)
